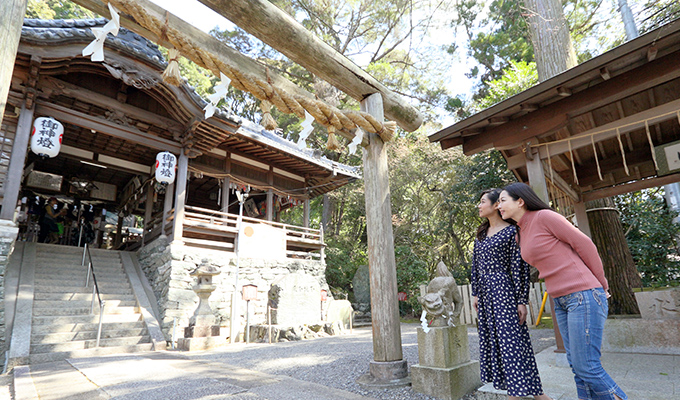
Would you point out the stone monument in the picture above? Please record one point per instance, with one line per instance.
(295, 299)
(656, 331)
(444, 368)
(202, 332)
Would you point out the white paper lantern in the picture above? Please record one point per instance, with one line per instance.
(165, 167)
(46, 137)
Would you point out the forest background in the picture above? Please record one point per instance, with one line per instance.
(410, 46)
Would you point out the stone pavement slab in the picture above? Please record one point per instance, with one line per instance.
(641, 376)
(162, 376)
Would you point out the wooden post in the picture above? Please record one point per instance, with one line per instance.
(11, 19)
(270, 194)
(582, 218)
(305, 213)
(119, 231)
(537, 182)
(148, 212)
(388, 365)
(180, 196)
(536, 174)
(167, 206)
(225, 185)
(16, 163)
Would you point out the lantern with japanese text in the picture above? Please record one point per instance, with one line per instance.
(165, 167)
(46, 137)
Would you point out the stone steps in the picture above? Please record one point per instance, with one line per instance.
(71, 327)
(109, 331)
(62, 323)
(74, 311)
(92, 352)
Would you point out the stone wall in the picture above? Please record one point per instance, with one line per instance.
(8, 235)
(167, 267)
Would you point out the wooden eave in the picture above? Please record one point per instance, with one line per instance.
(618, 91)
(135, 134)
(481, 131)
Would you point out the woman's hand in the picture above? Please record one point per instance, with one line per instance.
(474, 303)
(522, 312)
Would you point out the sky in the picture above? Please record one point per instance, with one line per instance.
(205, 19)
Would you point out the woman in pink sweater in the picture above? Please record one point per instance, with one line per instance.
(574, 277)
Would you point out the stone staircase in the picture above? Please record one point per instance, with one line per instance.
(62, 325)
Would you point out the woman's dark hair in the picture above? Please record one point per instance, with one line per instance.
(493, 195)
(523, 191)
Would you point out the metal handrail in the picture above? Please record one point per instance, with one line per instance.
(95, 290)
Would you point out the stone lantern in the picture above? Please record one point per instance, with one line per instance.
(202, 332)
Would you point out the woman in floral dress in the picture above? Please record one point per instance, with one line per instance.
(500, 284)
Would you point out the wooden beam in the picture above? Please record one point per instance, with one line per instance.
(631, 187)
(604, 73)
(62, 87)
(398, 110)
(451, 142)
(556, 115)
(106, 127)
(268, 23)
(625, 125)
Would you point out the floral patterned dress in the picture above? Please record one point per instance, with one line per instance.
(500, 280)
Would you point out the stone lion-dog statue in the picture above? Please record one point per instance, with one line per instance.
(442, 301)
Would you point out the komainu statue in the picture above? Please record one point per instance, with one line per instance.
(443, 302)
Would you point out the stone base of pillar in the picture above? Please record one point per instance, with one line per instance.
(446, 383)
(387, 374)
(445, 370)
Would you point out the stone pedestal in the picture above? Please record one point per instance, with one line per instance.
(387, 374)
(445, 370)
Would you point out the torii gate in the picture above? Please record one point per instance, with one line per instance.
(265, 21)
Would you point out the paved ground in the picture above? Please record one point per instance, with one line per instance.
(317, 369)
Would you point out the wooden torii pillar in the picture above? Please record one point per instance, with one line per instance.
(11, 19)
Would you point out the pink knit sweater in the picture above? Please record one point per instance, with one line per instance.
(565, 257)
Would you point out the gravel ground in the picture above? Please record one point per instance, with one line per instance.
(338, 361)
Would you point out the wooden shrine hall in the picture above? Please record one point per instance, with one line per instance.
(605, 127)
(117, 115)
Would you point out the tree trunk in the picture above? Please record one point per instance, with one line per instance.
(619, 267)
(553, 49)
(11, 18)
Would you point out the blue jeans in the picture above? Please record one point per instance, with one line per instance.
(580, 317)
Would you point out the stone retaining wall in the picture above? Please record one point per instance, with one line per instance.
(167, 267)
(8, 236)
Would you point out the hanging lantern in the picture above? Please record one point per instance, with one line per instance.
(165, 167)
(46, 137)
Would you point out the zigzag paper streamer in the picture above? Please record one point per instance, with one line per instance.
(306, 130)
(220, 91)
(96, 48)
(358, 137)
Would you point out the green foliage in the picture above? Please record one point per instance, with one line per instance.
(411, 273)
(518, 77)
(652, 235)
(56, 9)
(656, 13)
